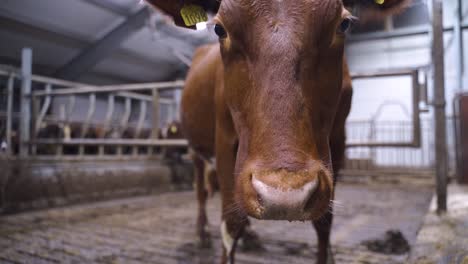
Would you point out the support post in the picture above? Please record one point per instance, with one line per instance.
(439, 105)
(9, 121)
(177, 101)
(416, 111)
(459, 52)
(155, 119)
(25, 123)
(155, 131)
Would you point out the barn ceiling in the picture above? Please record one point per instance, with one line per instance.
(114, 41)
(96, 41)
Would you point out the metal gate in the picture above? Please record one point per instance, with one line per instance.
(376, 147)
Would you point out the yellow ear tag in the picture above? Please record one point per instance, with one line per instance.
(380, 2)
(173, 129)
(193, 14)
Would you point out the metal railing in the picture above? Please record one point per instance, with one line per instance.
(396, 159)
(393, 155)
(371, 144)
(42, 127)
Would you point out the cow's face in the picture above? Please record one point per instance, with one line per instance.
(283, 74)
(283, 62)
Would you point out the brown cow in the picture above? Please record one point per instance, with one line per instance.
(269, 102)
(181, 177)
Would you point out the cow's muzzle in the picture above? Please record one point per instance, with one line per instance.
(294, 196)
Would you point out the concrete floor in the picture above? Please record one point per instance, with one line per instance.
(444, 237)
(160, 229)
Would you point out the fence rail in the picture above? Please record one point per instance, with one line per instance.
(394, 157)
(52, 117)
(131, 116)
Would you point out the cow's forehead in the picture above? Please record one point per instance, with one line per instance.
(302, 15)
(269, 7)
(258, 23)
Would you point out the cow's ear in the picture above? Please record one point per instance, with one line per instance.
(376, 9)
(186, 13)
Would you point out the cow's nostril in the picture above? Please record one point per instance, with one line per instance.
(284, 197)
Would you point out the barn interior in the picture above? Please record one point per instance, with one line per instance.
(95, 167)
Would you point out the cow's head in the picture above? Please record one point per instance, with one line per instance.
(283, 67)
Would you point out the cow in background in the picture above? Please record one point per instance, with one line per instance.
(269, 102)
(49, 131)
(181, 172)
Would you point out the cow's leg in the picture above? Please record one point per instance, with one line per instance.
(250, 240)
(233, 223)
(203, 234)
(324, 224)
(233, 219)
(323, 228)
(209, 174)
(232, 228)
(337, 148)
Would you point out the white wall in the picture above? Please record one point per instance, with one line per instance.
(402, 52)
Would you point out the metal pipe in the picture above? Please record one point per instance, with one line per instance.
(95, 158)
(107, 120)
(139, 126)
(439, 105)
(176, 106)
(35, 108)
(126, 115)
(385, 73)
(38, 78)
(9, 120)
(398, 33)
(89, 116)
(156, 109)
(184, 59)
(109, 113)
(424, 94)
(113, 142)
(380, 145)
(416, 113)
(103, 47)
(142, 97)
(135, 96)
(25, 123)
(141, 119)
(61, 122)
(459, 53)
(124, 122)
(458, 152)
(70, 108)
(57, 82)
(44, 109)
(116, 88)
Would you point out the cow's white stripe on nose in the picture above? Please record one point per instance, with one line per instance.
(288, 198)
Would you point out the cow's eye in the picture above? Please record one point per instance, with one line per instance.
(345, 25)
(220, 31)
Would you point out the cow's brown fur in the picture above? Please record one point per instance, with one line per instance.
(269, 102)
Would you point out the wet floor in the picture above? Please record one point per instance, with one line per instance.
(161, 229)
